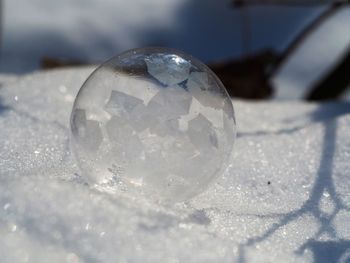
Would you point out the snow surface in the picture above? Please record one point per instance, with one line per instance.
(285, 198)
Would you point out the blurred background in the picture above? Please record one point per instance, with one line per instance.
(268, 49)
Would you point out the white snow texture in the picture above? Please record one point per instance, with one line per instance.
(285, 197)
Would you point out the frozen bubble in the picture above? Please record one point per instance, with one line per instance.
(118, 129)
(141, 118)
(198, 80)
(202, 134)
(171, 102)
(200, 85)
(88, 131)
(120, 103)
(78, 121)
(162, 124)
(124, 139)
(169, 69)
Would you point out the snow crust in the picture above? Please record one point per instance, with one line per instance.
(285, 197)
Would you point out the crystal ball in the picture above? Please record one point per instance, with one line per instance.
(155, 121)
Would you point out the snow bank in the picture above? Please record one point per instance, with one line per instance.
(96, 30)
(285, 198)
(316, 57)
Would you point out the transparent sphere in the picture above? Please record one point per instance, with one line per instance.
(154, 120)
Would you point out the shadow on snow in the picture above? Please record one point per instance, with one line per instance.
(324, 185)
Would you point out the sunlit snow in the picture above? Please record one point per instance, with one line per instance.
(285, 197)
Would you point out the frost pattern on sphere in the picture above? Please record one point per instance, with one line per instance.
(154, 120)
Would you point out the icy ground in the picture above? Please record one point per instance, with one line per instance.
(286, 197)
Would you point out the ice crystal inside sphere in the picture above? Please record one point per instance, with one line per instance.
(156, 121)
